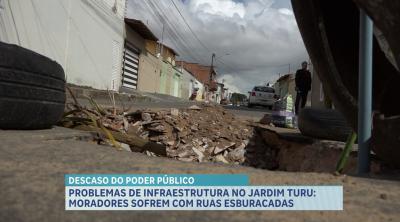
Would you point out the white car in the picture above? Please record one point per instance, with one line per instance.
(262, 96)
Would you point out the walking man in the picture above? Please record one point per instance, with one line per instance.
(303, 85)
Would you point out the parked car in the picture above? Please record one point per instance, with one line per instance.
(262, 96)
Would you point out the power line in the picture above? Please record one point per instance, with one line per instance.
(178, 40)
(191, 30)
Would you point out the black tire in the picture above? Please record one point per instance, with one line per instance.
(32, 89)
(323, 124)
(250, 105)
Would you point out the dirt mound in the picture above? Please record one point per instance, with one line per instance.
(204, 134)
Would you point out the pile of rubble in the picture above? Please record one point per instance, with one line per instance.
(203, 134)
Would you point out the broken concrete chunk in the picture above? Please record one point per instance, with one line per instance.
(177, 128)
(185, 153)
(223, 146)
(125, 147)
(174, 112)
(237, 154)
(194, 107)
(220, 158)
(126, 124)
(170, 143)
(200, 155)
(146, 116)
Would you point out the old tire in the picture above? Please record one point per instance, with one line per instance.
(332, 42)
(323, 124)
(32, 89)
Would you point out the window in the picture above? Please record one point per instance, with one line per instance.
(264, 89)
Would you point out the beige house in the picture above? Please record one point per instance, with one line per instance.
(170, 77)
(141, 67)
(286, 85)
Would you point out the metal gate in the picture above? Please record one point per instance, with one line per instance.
(130, 66)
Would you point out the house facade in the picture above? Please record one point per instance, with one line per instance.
(99, 47)
(190, 84)
(206, 75)
(286, 85)
(86, 37)
(141, 66)
(170, 77)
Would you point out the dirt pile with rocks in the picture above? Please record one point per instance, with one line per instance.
(200, 133)
(205, 133)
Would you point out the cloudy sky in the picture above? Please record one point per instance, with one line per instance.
(254, 40)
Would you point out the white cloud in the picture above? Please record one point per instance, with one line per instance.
(285, 11)
(231, 83)
(224, 8)
(261, 36)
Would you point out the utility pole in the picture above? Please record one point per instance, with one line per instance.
(162, 40)
(212, 66)
(365, 93)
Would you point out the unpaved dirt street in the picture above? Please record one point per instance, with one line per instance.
(33, 164)
(243, 112)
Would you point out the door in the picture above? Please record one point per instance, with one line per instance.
(163, 82)
(130, 66)
(176, 86)
(116, 66)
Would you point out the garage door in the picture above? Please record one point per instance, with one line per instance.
(130, 68)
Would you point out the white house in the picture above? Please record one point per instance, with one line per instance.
(190, 84)
(85, 36)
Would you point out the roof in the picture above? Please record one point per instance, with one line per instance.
(139, 27)
(284, 77)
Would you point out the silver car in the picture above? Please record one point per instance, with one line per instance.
(262, 96)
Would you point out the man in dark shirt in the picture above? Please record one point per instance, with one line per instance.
(303, 85)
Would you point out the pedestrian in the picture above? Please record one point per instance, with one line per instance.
(303, 85)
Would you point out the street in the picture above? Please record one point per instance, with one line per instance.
(243, 112)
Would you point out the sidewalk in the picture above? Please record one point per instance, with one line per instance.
(140, 99)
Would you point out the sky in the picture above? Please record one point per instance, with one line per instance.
(254, 40)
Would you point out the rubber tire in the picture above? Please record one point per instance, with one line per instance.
(323, 124)
(32, 89)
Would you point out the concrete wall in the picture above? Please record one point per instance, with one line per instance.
(152, 47)
(286, 86)
(168, 55)
(85, 36)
